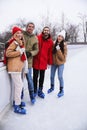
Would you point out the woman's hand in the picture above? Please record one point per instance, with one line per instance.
(57, 47)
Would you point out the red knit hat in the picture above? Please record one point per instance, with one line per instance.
(15, 29)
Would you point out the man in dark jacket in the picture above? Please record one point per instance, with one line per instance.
(42, 59)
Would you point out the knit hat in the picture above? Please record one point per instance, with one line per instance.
(15, 29)
(62, 33)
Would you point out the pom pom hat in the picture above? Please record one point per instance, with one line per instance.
(62, 33)
(16, 29)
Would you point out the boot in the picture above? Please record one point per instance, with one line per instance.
(32, 97)
(18, 109)
(51, 89)
(41, 94)
(61, 92)
(35, 93)
(21, 105)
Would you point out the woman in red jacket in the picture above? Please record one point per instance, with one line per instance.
(42, 59)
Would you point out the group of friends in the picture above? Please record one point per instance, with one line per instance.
(26, 53)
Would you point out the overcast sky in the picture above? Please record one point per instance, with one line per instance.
(33, 10)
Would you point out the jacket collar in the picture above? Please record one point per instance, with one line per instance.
(41, 35)
(30, 35)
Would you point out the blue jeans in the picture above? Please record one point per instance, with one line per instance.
(30, 80)
(59, 69)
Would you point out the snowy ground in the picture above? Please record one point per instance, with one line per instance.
(52, 113)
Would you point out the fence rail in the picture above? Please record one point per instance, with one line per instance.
(2, 50)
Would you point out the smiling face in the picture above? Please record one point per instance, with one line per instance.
(30, 28)
(18, 35)
(60, 38)
(46, 32)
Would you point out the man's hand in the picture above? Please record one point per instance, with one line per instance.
(28, 54)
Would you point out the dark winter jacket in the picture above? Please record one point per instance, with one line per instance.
(44, 56)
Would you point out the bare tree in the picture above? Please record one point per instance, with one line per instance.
(21, 23)
(83, 23)
(72, 32)
(46, 21)
(5, 36)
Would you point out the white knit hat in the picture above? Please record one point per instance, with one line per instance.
(62, 33)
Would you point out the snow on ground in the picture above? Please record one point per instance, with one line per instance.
(52, 113)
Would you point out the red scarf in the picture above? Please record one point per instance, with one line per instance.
(23, 56)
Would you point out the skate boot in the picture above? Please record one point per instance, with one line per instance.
(41, 94)
(51, 89)
(21, 105)
(61, 92)
(32, 97)
(19, 110)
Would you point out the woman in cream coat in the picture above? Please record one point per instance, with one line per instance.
(16, 59)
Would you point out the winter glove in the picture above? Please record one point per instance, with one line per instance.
(22, 50)
(28, 54)
(57, 47)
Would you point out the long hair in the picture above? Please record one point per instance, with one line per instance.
(61, 45)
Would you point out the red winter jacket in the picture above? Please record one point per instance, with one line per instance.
(44, 55)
